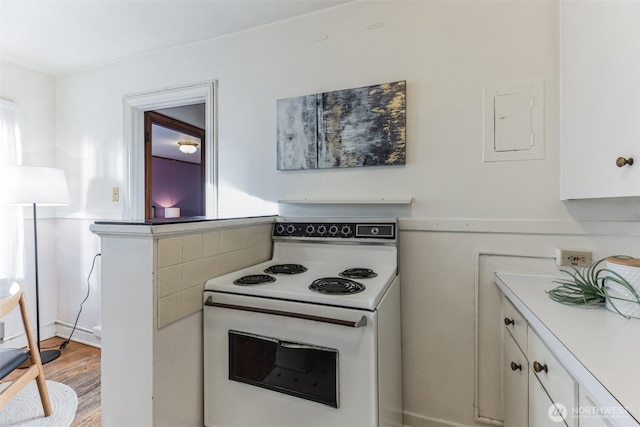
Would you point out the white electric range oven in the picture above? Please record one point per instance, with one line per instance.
(311, 337)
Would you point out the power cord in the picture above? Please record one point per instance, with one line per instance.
(68, 340)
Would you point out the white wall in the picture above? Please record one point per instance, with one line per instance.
(65, 247)
(447, 51)
(34, 92)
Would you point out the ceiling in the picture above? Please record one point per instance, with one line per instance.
(59, 37)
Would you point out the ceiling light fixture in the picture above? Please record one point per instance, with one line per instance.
(188, 147)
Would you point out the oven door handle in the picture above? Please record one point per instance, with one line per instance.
(357, 324)
(299, 346)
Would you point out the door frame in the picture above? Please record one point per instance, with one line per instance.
(153, 117)
(134, 107)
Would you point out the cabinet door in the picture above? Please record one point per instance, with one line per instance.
(549, 372)
(515, 373)
(600, 98)
(542, 412)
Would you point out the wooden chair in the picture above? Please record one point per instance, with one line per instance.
(12, 358)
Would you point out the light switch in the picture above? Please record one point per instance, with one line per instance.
(514, 122)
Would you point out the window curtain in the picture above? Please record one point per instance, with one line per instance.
(11, 217)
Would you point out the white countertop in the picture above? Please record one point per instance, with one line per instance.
(169, 227)
(600, 348)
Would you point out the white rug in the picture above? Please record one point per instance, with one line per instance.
(25, 410)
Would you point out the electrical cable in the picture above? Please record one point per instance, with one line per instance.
(68, 340)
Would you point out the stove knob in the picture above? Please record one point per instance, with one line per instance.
(310, 229)
(322, 229)
(333, 229)
(346, 230)
(280, 229)
(290, 229)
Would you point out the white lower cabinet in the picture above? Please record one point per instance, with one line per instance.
(571, 367)
(537, 391)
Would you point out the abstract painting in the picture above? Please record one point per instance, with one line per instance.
(298, 133)
(355, 127)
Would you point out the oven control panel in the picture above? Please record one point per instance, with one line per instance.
(335, 230)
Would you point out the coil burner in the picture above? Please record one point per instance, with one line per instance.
(358, 273)
(286, 269)
(254, 279)
(336, 286)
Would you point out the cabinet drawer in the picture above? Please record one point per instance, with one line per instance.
(515, 323)
(557, 382)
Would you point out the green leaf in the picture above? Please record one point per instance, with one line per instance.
(588, 286)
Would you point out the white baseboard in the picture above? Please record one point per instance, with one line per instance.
(20, 340)
(55, 329)
(80, 335)
(411, 419)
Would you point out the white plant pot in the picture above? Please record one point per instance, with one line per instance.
(629, 268)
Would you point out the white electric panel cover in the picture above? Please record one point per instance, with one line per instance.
(514, 122)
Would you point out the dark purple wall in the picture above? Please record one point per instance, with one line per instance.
(176, 184)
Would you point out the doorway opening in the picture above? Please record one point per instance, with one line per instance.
(135, 106)
(174, 162)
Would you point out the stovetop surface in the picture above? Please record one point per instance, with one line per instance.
(321, 261)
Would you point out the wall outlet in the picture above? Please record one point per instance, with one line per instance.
(573, 257)
(115, 194)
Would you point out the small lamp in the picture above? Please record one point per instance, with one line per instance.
(31, 185)
(171, 212)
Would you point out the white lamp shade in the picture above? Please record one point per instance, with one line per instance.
(171, 212)
(34, 184)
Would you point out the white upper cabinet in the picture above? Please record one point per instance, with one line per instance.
(600, 98)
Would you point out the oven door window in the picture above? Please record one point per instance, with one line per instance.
(297, 369)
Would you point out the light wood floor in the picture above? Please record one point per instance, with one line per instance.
(79, 368)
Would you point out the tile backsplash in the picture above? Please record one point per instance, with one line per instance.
(185, 263)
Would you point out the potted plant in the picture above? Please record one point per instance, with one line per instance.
(598, 285)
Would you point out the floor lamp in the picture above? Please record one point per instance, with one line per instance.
(34, 185)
